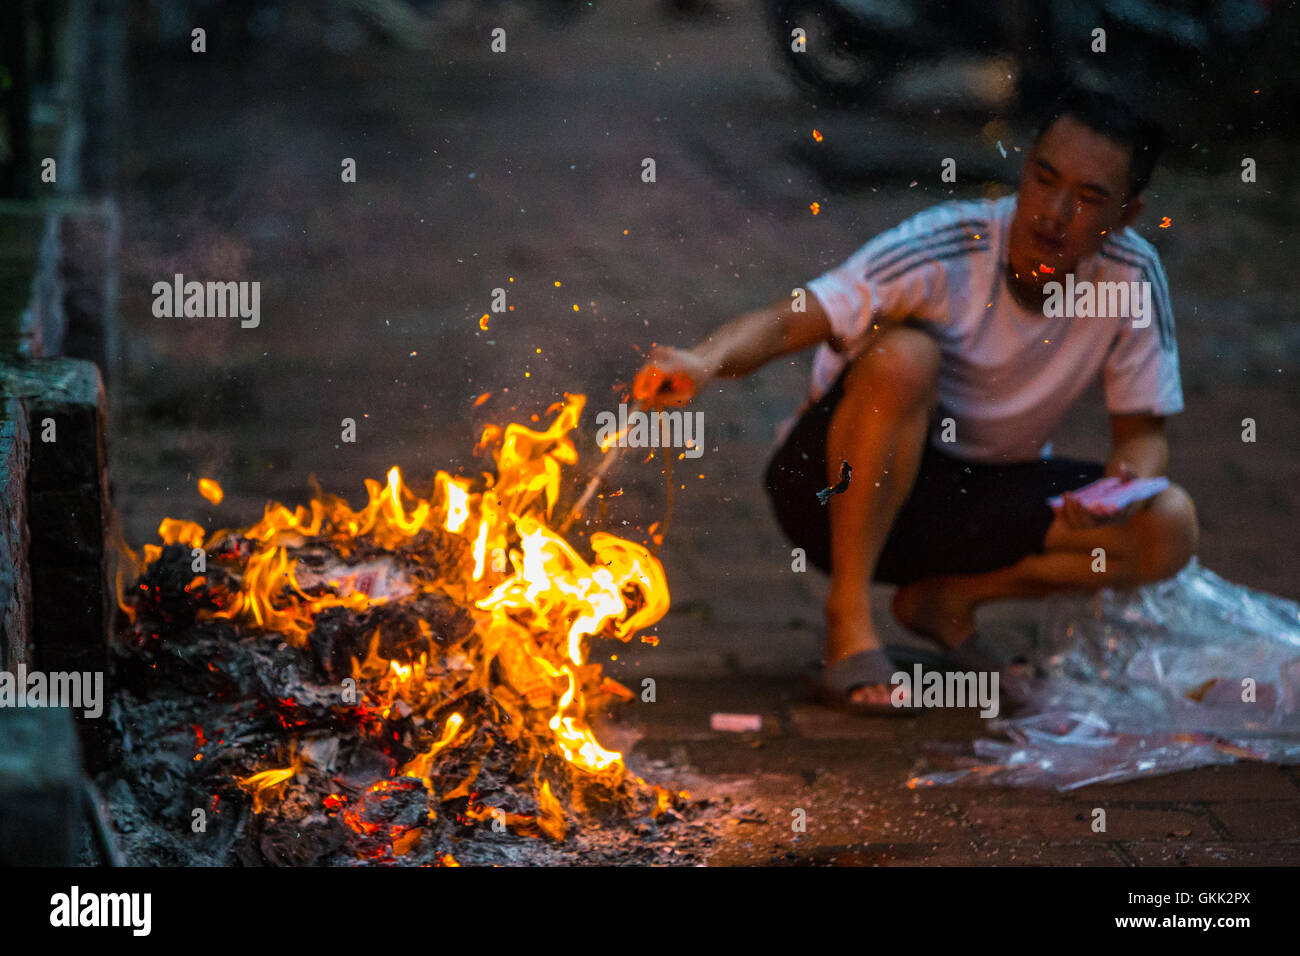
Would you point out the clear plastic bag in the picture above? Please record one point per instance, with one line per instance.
(1185, 673)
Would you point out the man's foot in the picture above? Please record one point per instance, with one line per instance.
(833, 686)
(872, 695)
(934, 608)
(847, 633)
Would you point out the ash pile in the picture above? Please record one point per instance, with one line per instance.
(205, 706)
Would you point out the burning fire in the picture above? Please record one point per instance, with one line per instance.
(485, 544)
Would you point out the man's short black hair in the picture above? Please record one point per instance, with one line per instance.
(1117, 120)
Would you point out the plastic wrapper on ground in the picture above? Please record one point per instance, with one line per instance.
(1189, 672)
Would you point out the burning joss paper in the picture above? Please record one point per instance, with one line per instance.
(403, 671)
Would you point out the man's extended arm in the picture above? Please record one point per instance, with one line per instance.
(751, 340)
(674, 376)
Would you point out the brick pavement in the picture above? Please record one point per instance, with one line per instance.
(848, 775)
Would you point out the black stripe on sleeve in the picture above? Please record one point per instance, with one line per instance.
(1149, 270)
(942, 256)
(896, 252)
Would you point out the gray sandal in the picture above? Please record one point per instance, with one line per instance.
(837, 681)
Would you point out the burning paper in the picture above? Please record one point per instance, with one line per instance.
(376, 580)
(417, 658)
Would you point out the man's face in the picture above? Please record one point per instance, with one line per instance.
(1073, 193)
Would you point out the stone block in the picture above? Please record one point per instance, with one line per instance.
(41, 789)
(15, 574)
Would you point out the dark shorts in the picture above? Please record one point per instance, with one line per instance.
(961, 518)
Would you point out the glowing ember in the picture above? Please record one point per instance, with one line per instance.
(211, 490)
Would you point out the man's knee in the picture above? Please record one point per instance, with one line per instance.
(1167, 535)
(900, 366)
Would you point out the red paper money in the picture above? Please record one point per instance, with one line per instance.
(1109, 496)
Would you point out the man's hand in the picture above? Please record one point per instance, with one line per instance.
(670, 377)
(1078, 518)
(749, 341)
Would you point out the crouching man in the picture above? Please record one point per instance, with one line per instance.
(945, 360)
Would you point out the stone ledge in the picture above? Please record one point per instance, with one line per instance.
(63, 499)
(66, 505)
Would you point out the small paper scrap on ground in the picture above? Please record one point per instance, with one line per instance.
(736, 723)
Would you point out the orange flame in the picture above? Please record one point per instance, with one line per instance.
(535, 601)
(265, 782)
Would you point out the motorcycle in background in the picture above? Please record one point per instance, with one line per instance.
(852, 48)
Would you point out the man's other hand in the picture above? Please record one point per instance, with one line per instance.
(1077, 516)
(670, 377)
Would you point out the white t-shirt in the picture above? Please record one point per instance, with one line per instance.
(1009, 374)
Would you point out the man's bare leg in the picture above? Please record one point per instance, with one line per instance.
(1157, 542)
(879, 428)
